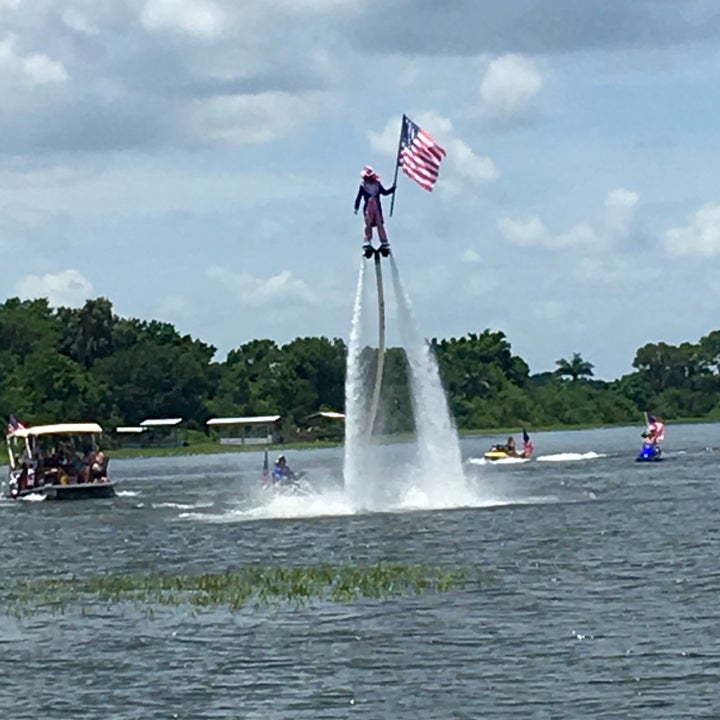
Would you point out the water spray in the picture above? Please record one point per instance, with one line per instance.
(372, 415)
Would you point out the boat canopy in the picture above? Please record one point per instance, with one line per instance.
(59, 429)
(257, 420)
(329, 414)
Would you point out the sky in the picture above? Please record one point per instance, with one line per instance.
(196, 162)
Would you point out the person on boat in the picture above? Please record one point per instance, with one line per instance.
(98, 469)
(282, 473)
(370, 191)
(509, 447)
(75, 467)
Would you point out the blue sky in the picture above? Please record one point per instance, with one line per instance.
(196, 161)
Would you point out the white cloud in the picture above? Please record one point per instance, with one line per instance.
(469, 165)
(510, 86)
(40, 69)
(437, 125)
(68, 288)
(701, 236)
(615, 225)
(320, 6)
(532, 232)
(620, 207)
(470, 257)
(577, 235)
(201, 19)
(256, 118)
(75, 20)
(524, 232)
(7, 50)
(386, 141)
(250, 291)
(35, 69)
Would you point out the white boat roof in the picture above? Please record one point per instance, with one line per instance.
(257, 420)
(131, 429)
(160, 422)
(330, 414)
(59, 429)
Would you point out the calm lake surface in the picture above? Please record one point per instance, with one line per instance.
(599, 594)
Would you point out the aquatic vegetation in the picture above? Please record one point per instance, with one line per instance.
(234, 589)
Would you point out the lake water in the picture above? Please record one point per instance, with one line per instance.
(599, 591)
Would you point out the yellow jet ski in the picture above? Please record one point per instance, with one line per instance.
(498, 452)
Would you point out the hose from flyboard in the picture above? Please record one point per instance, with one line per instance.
(381, 348)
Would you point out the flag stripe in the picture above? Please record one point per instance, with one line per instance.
(420, 155)
(14, 425)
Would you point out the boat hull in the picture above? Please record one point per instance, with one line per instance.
(76, 491)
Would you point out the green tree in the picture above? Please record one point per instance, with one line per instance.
(26, 326)
(88, 332)
(575, 368)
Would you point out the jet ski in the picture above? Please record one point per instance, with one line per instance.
(649, 452)
(291, 483)
(652, 437)
(506, 452)
(498, 452)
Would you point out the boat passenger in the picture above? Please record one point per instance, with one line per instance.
(98, 469)
(75, 467)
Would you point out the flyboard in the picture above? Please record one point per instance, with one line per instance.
(383, 250)
(369, 252)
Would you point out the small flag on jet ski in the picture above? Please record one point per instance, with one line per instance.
(266, 470)
(528, 446)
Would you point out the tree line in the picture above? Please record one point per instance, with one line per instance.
(69, 364)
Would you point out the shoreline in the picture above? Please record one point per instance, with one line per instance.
(212, 447)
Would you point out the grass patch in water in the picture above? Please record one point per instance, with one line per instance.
(235, 589)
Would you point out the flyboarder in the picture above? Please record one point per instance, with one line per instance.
(370, 191)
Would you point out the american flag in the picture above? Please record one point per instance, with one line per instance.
(14, 425)
(420, 155)
(266, 470)
(656, 425)
(528, 446)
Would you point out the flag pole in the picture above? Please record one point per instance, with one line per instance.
(397, 163)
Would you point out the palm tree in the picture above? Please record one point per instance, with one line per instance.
(574, 368)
